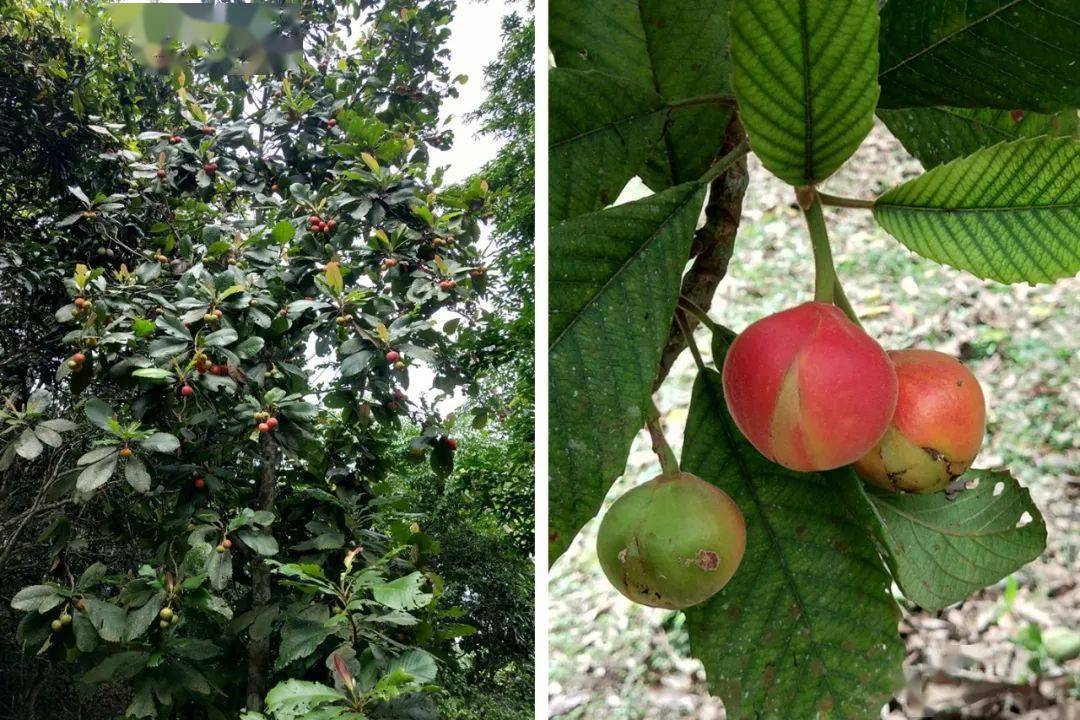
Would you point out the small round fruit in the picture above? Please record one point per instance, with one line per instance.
(79, 358)
(399, 366)
(226, 543)
(175, 620)
(937, 428)
(187, 391)
(164, 625)
(671, 542)
(264, 427)
(331, 122)
(272, 422)
(390, 262)
(808, 388)
(81, 605)
(126, 452)
(221, 549)
(208, 317)
(161, 173)
(447, 284)
(331, 224)
(274, 187)
(56, 626)
(65, 619)
(393, 356)
(451, 443)
(74, 365)
(218, 313)
(207, 130)
(314, 220)
(166, 614)
(200, 483)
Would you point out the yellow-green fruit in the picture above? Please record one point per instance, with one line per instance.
(65, 619)
(56, 626)
(671, 542)
(166, 614)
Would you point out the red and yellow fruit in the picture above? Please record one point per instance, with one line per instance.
(937, 428)
(672, 542)
(808, 388)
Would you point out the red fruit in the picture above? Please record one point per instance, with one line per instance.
(274, 187)
(331, 122)
(447, 284)
(174, 139)
(209, 167)
(226, 543)
(200, 483)
(217, 313)
(393, 356)
(272, 422)
(264, 427)
(81, 605)
(161, 173)
(451, 443)
(126, 452)
(207, 130)
(390, 262)
(937, 428)
(808, 388)
(314, 220)
(187, 391)
(79, 358)
(331, 224)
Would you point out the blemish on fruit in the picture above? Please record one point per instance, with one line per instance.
(708, 560)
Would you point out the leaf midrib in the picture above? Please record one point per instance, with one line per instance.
(632, 259)
(759, 505)
(949, 36)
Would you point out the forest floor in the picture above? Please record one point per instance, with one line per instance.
(613, 660)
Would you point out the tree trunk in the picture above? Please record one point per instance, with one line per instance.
(259, 650)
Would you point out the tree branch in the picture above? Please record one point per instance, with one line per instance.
(712, 247)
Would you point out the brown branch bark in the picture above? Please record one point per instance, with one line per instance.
(259, 650)
(712, 247)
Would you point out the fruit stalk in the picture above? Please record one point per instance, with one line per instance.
(824, 271)
(669, 464)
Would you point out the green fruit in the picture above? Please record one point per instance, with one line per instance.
(166, 614)
(65, 619)
(163, 624)
(175, 620)
(56, 626)
(671, 542)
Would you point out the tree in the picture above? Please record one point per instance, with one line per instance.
(678, 94)
(207, 459)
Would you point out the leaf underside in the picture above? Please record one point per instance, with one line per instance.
(805, 76)
(941, 550)
(602, 129)
(1010, 212)
(679, 48)
(806, 627)
(1005, 54)
(936, 135)
(614, 283)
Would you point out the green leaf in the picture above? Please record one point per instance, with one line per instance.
(805, 76)
(97, 454)
(355, 363)
(118, 668)
(679, 48)
(301, 636)
(283, 232)
(1005, 54)
(1009, 212)
(293, 698)
(404, 593)
(27, 444)
(261, 543)
(417, 663)
(614, 282)
(602, 129)
(99, 413)
(139, 621)
(36, 598)
(153, 373)
(109, 620)
(806, 627)
(250, 347)
(936, 135)
(136, 474)
(161, 442)
(941, 549)
(96, 475)
(222, 337)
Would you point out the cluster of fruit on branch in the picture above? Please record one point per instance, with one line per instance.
(811, 391)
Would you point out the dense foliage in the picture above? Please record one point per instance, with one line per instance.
(677, 94)
(223, 287)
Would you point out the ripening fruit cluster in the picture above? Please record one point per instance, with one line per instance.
(317, 225)
(811, 391)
